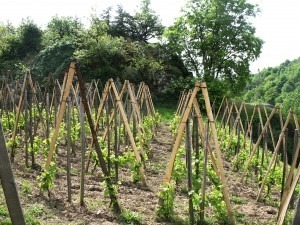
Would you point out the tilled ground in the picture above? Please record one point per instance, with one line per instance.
(132, 196)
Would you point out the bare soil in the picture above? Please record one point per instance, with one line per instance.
(132, 196)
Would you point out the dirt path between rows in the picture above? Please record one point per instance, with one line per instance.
(56, 209)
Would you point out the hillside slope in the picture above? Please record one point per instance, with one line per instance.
(277, 85)
(140, 203)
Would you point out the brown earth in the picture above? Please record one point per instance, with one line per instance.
(56, 209)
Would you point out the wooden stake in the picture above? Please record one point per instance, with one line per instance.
(204, 172)
(14, 134)
(189, 169)
(218, 152)
(69, 150)
(60, 114)
(8, 184)
(292, 168)
(82, 142)
(26, 130)
(114, 201)
(286, 201)
(257, 144)
(219, 110)
(202, 136)
(131, 139)
(180, 134)
(274, 154)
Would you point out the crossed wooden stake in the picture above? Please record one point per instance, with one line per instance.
(185, 106)
(291, 181)
(68, 84)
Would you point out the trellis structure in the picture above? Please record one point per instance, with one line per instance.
(74, 92)
(186, 104)
(289, 179)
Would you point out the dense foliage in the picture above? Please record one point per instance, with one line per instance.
(217, 42)
(213, 40)
(278, 85)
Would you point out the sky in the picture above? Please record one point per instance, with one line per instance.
(277, 24)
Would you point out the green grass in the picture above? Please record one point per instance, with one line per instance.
(31, 214)
(4, 216)
(166, 111)
(26, 187)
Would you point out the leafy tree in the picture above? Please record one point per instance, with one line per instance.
(8, 42)
(61, 38)
(217, 41)
(63, 29)
(98, 26)
(53, 60)
(146, 23)
(278, 85)
(102, 57)
(291, 100)
(142, 26)
(121, 25)
(18, 43)
(144, 66)
(30, 38)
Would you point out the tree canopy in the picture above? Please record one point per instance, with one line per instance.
(277, 85)
(217, 41)
(213, 40)
(142, 26)
(116, 44)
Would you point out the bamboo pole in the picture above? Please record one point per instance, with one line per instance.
(14, 134)
(82, 138)
(9, 185)
(107, 108)
(274, 154)
(270, 129)
(237, 120)
(188, 96)
(291, 172)
(238, 112)
(224, 115)
(150, 100)
(284, 157)
(218, 152)
(61, 112)
(116, 140)
(114, 201)
(181, 100)
(286, 201)
(135, 106)
(69, 149)
(127, 127)
(202, 136)
(31, 135)
(180, 134)
(101, 106)
(249, 126)
(257, 144)
(189, 169)
(26, 130)
(227, 122)
(219, 110)
(204, 173)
